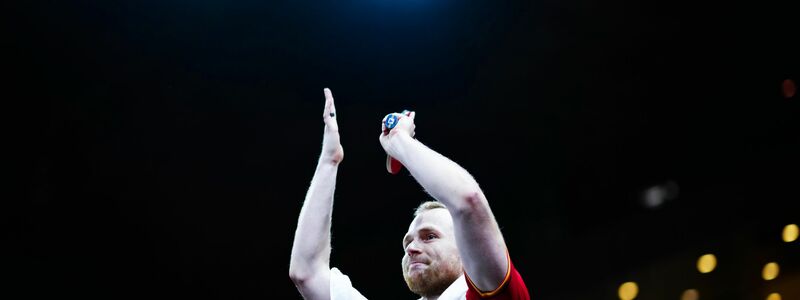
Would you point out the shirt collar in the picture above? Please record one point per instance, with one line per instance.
(457, 290)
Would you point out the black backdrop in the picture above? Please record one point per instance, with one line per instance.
(166, 146)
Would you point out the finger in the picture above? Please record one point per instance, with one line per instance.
(327, 107)
(412, 115)
(330, 107)
(329, 95)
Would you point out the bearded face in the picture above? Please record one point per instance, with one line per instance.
(431, 261)
(430, 278)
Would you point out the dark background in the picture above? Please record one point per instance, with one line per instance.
(166, 146)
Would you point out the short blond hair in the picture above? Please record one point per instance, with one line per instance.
(428, 205)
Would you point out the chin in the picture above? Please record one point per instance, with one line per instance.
(429, 282)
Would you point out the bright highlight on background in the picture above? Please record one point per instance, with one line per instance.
(790, 233)
(770, 271)
(628, 290)
(706, 263)
(690, 294)
(774, 296)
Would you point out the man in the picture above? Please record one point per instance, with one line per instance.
(453, 247)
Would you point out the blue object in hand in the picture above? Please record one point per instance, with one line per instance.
(390, 122)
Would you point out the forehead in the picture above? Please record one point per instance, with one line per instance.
(438, 218)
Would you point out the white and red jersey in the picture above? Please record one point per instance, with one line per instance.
(512, 288)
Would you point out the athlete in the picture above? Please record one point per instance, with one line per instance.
(453, 247)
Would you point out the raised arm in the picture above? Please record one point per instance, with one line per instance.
(480, 243)
(310, 262)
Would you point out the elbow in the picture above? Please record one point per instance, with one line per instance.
(298, 271)
(471, 202)
(299, 277)
(302, 272)
(474, 200)
(304, 267)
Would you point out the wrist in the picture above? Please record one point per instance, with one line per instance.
(327, 163)
(398, 145)
(330, 159)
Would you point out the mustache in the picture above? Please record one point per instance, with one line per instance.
(407, 262)
(423, 260)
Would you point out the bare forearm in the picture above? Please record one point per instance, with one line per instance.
(311, 248)
(478, 236)
(442, 178)
(309, 267)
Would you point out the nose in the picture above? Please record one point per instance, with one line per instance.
(412, 249)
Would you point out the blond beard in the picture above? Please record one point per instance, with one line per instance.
(435, 278)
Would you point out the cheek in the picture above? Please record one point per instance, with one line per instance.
(447, 250)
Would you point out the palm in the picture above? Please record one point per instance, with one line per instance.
(331, 145)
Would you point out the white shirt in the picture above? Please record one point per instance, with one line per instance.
(342, 288)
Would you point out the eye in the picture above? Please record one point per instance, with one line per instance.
(430, 236)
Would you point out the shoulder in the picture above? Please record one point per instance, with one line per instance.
(512, 288)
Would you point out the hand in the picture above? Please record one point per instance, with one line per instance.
(332, 150)
(405, 127)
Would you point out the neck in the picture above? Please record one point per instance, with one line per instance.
(431, 297)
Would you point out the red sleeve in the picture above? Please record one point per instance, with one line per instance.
(512, 288)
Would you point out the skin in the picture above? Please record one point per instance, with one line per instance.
(309, 268)
(468, 230)
(431, 261)
(480, 243)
